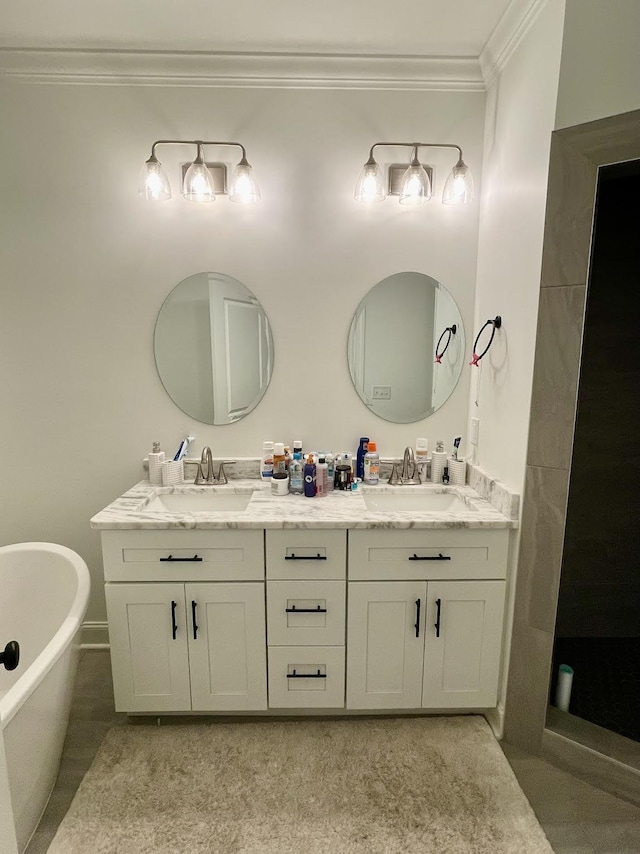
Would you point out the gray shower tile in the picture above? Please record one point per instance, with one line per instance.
(526, 702)
(541, 545)
(556, 373)
(569, 215)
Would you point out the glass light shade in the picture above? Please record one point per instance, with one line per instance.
(198, 183)
(244, 188)
(153, 183)
(416, 185)
(370, 186)
(458, 188)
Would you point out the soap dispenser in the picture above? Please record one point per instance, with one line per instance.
(156, 459)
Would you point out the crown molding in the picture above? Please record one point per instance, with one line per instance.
(518, 18)
(251, 70)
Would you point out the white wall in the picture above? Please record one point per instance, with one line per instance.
(521, 103)
(600, 71)
(86, 265)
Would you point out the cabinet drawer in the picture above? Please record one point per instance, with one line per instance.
(176, 555)
(429, 554)
(306, 677)
(309, 613)
(306, 554)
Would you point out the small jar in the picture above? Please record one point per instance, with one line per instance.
(279, 484)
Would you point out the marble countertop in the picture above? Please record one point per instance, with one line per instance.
(336, 510)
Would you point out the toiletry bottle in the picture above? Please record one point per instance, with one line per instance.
(445, 475)
(310, 477)
(287, 456)
(422, 450)
(279, 459)
(371, 464)
(297, 446)
(296, 475)
(322, 486)
(362, 450)
(438, 462)
(331, 471)
(156, 459)
(266, 463)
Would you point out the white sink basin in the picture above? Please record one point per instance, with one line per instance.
(198, 502)
(428, 502)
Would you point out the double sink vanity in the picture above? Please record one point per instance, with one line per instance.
(228, 599)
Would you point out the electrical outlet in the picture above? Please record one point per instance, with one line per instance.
(475, 429)
(382, 392)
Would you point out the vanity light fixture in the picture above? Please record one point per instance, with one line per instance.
(198, 184)
(415, 186)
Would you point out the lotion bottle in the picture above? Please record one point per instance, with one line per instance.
(156, 459)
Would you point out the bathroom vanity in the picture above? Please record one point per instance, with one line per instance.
(288, 604)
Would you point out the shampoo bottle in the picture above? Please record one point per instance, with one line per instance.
(310, 477)
(266, 463)
(156, 459)
(296, 476)
(322, 486)
(362, 450)
(371, 464)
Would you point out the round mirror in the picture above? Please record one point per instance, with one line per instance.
(213, 348)
(406, 347)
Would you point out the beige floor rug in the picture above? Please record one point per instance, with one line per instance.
(363, 786)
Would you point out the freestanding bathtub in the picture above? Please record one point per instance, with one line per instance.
(44, 591)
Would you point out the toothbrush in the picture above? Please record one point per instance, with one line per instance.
(184, 447)
(456, 445)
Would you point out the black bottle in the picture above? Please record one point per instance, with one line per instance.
(445, 475)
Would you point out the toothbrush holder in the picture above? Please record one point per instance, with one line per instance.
(172, 472)
(457, 472)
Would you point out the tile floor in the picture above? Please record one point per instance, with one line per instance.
(577, 818)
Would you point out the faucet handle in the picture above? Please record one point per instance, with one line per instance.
(222, 475)
(394, 479)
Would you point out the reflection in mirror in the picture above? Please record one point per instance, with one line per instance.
(213, 348)
(392, 347)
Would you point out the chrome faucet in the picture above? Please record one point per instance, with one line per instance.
(409, 474)
(205, 460)
(204, 473)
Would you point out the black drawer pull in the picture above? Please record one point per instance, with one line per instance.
(317, 675)
(295, 610)
(437, 622)
(305, 557)
(194, 605)
(174, 625)
(417, 625)
(437, 557)
(176, 559)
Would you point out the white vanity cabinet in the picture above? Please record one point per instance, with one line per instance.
(432, 638)
(185, 633)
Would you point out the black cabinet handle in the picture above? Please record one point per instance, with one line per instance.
(417, 618)
(174, 625)
(437, 622)
(295, 610)
(194, 605)
(437, 557)
(317, 675)
(11, 655)
(173, 559)
(305, 557)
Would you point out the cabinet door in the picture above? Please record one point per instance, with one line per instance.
(385, 644)
(462, 645)
(148, 638)
(227, 650)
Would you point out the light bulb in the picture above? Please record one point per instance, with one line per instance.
(198, 183)
(370, 186)
(244, 188)
(458, 188)
(416, 184)
(153, 183)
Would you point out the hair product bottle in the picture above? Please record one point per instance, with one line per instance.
(371, 464)
(310, 477)
(296, 475)
(362, 450)
(322, 477)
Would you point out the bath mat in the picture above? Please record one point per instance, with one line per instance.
(364, 786)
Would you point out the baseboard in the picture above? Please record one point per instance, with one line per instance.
(593, 767)
(495, 719)
(94, 635)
